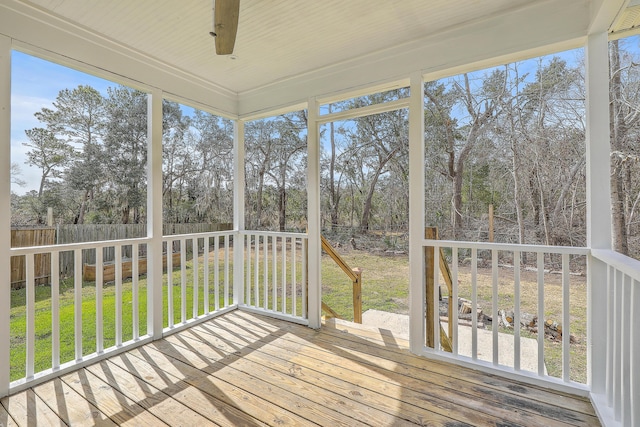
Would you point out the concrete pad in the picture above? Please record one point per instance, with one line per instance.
(398, 324)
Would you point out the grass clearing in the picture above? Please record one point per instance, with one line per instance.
(385, 283)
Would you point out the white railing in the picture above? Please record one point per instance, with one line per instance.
(204, 288)
(90, 319)
(622, 392)
(88, 339)
(275, 279)
(101, 309)
(198, 282)
(498, 282)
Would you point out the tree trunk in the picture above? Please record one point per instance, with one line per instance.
(83, 208)
(455, 166)
(334, 197)
(618, 135)
(366, 211)
(125, 215)
(535, 199)
(41, 189)
(457, 201)
(259, 198)
(458, 175)
(543, 208)
(517, 197)
(282, 205)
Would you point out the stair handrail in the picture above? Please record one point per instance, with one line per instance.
(355, 274)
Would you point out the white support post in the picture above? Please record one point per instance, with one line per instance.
(154, 216)
(313, 214)
(5, 209)
(416, 215)
(238, 211)
(598, 202)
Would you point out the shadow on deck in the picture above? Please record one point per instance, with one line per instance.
(242, 369)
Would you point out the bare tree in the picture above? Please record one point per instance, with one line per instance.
(461, 140)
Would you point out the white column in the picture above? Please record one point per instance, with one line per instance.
(5, 209)
(598, 202)
(238, 211)
(416, 215)
(313, 214)
(154, 214)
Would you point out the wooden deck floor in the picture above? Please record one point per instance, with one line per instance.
(242, 369)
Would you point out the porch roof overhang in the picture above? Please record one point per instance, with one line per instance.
(288, 51)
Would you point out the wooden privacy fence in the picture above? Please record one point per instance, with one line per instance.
(99, 232)
(71, 233)
(22, 237)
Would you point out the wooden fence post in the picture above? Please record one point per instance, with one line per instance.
(445, 341)
(357, 295)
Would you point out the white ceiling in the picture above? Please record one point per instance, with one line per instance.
(301, 47)
(276, 39)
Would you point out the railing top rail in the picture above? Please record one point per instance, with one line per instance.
(507, 247)
(623, 263)
(75, 246)
(275, 233)
(200, 234)
(326, 246)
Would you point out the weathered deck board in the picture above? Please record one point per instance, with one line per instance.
(338, 328)
(285, 407)
(242, 369)
(5, 419)
(431, 392)
(279, 375)
(440, 379)
(122, 410)
(349, 338)
(161, 404)
(73, 408)
(220, 385)
(28, 410)
(338, 400)
(351, 385)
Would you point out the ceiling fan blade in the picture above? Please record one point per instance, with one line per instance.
(225, 25)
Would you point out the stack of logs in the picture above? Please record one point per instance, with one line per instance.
(552, 329)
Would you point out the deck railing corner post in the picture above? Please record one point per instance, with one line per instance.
(154, 218)
(598, 198)
(5, 210)
(416, 213)
(238, 211)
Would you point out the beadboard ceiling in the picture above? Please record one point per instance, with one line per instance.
(276, 39)
(285, 40)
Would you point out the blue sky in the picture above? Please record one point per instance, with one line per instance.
(35, 83)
